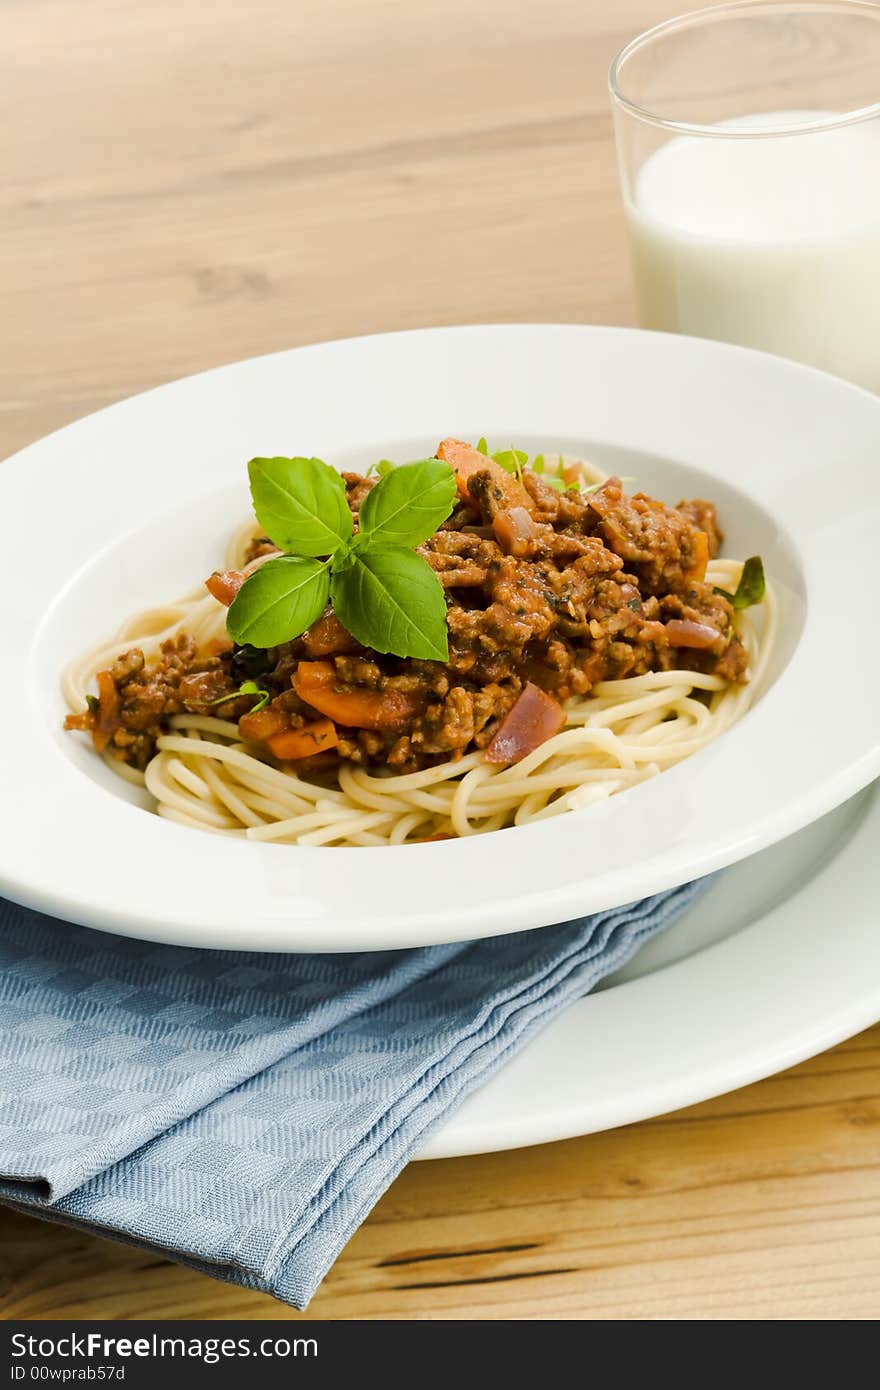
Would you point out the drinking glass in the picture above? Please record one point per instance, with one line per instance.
(748, 137)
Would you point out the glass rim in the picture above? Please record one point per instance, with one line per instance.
(696, 17)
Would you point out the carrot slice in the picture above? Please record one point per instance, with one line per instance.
(466, 461)
(697, 570)
(356, 707)
(304, 742)
(107, 721)
(316, 675)
(224, 585)
(533, 719)
(83, 723)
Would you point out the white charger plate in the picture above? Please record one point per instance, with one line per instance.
(131, 506)
(777, 962)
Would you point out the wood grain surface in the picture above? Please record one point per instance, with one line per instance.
(185, 184)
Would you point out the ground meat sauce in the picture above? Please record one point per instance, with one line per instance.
(575, 589)
(134, 706)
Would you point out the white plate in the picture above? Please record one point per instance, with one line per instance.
(131, 506)
(779, 961)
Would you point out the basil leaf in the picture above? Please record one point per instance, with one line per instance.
(752, 585)
(279, 601)
(391, 600)
(300, 504)
(408, 505)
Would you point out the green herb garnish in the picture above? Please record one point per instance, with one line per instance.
(515, 460)
(246, 688)
(556, 479)
(751, 587)
(381, 469)
(512, 461)
(386, 595)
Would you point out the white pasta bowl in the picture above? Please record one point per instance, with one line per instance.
(131, 506)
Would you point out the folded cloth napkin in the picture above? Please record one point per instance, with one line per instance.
(243, 1112)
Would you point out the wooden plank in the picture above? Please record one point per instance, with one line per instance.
(762, 1204)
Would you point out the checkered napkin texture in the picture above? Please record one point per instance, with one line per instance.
(241, 1112)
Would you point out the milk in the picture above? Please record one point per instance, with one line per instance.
(772, 242)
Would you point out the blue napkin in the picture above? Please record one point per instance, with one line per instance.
(243, 1112)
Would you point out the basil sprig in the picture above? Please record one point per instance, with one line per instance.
(386, 595)
(751, 587)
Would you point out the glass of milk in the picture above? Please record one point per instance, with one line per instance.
(749, 145)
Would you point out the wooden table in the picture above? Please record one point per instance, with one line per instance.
(186, 184)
